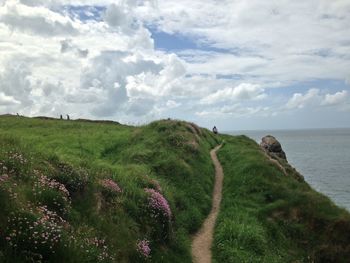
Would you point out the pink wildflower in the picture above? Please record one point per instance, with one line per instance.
(109, 184)
(45, 182)
(143, 248)
(158, 203)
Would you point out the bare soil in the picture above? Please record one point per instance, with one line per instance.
(203, 239)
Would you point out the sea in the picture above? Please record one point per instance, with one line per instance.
(322, 156)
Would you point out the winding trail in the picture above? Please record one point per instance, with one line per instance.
(202, 241)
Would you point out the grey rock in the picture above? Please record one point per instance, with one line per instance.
(272, 146)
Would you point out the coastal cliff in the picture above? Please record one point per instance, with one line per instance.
(273, 149)
(83, 191)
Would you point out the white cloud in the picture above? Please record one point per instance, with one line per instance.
(50, 3)
(112, 72)
(286, 40)
(316, 98)
(36, 20)
(244, 91)
(7, 100)
(56, 59)
(170, 104)
(100, 69)
(257, 25)
(125, 78)
(235, 110)
(116, 16)
(299, 101)
(16, 84)
(336, 98)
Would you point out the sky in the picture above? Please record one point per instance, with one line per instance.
(236, 64)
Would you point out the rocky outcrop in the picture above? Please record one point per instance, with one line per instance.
(275, 153)
(272, 146)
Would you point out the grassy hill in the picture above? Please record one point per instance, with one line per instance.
(82, 191)
(269, 216)
(113, 190)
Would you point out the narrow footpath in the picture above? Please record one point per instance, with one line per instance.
(202, 241)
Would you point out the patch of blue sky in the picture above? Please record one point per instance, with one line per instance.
(172, 42)
(177, 42)
(84, 12)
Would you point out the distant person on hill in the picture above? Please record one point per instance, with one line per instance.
(61, 117)
(215, 130)
(68, 117)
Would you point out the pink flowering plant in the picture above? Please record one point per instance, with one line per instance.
(98, 248)
(159, 210)
(90, 247)
(14, 163)
(36, 230)
(157, 204)
(74, 179)
(43, 236)
(49, 192)
(110, 188)
(143, 248)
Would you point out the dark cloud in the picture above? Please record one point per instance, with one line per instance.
(68, 46)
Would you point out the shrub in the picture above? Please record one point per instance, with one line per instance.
(37, 232)
(110, 189)
(143, 248)
(45, 182)
(14, 163)
(160, 214)
(158, 204)
(75, 180)
(90, 249)
(51, 193)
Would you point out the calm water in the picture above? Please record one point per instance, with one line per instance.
(322, 156)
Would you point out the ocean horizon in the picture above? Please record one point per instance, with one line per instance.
(321, 155)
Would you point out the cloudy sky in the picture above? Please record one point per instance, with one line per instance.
(237, 64)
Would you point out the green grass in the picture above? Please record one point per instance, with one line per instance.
(269, 217)
(57, 207)
(172, 155)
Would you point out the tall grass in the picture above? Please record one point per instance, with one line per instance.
(77, 191)
(106, 169)
(269, 217)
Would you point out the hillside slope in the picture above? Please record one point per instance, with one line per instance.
(77, 191)
(269, 214)
(84, 191)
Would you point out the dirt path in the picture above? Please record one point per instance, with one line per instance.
(202, 241)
